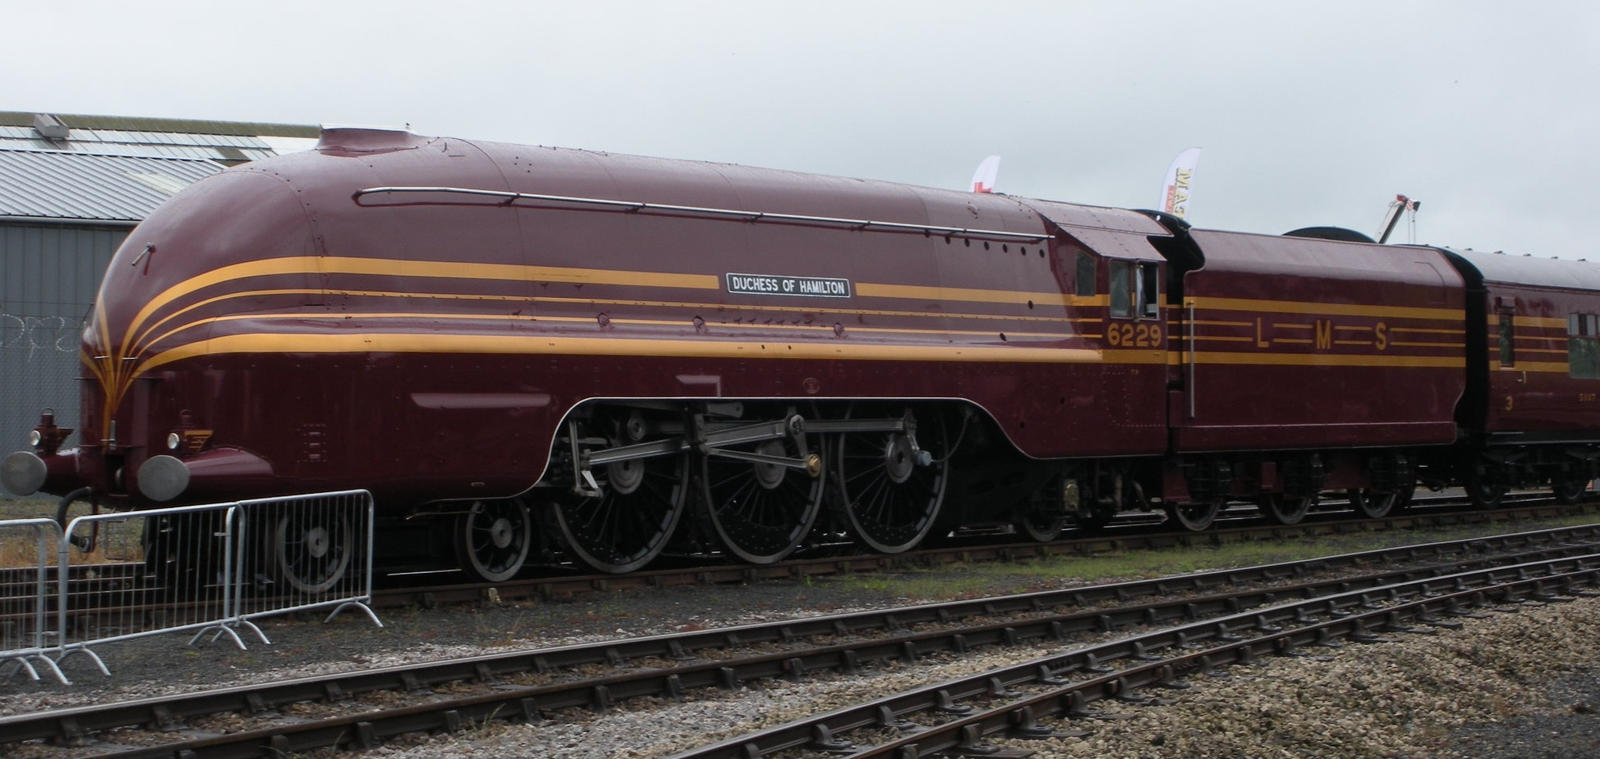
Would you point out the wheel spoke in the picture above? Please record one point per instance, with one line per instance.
(758, 513)
(482, 530)
(888, 500)
(620, 531)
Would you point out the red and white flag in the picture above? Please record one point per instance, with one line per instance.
(1178, 187)
(983, 178)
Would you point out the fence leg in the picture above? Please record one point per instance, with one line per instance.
(50, 665)
(218, 631)
(358, 605)
(258, 631)
(86, 651)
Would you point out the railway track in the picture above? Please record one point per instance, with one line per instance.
(541, 683)
(962, 715)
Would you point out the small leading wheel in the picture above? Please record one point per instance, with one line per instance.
(1195, 516)
(891, 484)
(309, 549)
(1376, 504)
(761, 510)
(493, 538)
(1284, 509)
(1569, 489)
(631, 521)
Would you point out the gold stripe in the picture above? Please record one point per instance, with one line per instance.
(1539, 321)
(974, 295)
(821, 328)
(635, 347)
(1331, 359)
(1219, 339)
(1328, 309)
(1354, 342)
(1410, 344)
(1206, 323)
(1531, 366)
(134, 348)
(1353, 329)
(1562, 351)
(517, 272)
(1292, 340)
(1428, 331)
(1291, 326)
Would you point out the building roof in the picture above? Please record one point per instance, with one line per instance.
(225, 142)
(116, 169)
(65, 186)
(180, 126)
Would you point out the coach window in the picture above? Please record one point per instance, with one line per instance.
(1086, 272)
(1508, 350)
(1583, 346)
(1121, 287)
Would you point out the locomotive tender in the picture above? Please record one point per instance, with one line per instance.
(569, 355)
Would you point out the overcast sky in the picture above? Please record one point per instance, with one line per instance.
(1309, 113)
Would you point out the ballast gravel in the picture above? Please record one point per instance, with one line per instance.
(1512, 685)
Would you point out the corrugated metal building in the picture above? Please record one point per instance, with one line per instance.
(71, 188)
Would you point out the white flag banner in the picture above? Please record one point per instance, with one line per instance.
(983, 179)
(1176, 190)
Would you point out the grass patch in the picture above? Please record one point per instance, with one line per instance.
(988, 578)
(27, 507)
(119, 540)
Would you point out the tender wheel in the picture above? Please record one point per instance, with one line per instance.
(761, 511)
(1283, 509)
(1195, 516)
(1040, 527)
(1569, 490)
(640, 504)
(493, 538)
(309, 549)
(1376, 504)
(890, 484)
(1482, 488)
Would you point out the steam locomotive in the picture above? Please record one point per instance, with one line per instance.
(547, 354)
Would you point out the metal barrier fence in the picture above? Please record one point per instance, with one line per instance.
(209, 569)
(180, 577)
(25, 599)
(304, 552)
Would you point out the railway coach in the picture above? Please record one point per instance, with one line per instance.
(564, 355)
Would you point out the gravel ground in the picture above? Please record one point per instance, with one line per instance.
(1512, 686)
(1488, 690)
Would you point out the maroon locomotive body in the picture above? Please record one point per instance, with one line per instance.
(631, 355)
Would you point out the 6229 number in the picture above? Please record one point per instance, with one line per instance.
(1133, 335)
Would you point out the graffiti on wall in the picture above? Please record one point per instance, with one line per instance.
(29, 336)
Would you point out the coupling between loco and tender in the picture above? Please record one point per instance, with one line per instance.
(540, 355)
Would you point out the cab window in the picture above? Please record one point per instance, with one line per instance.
(1120, 287)
(1085, 274)
(1149, 289)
